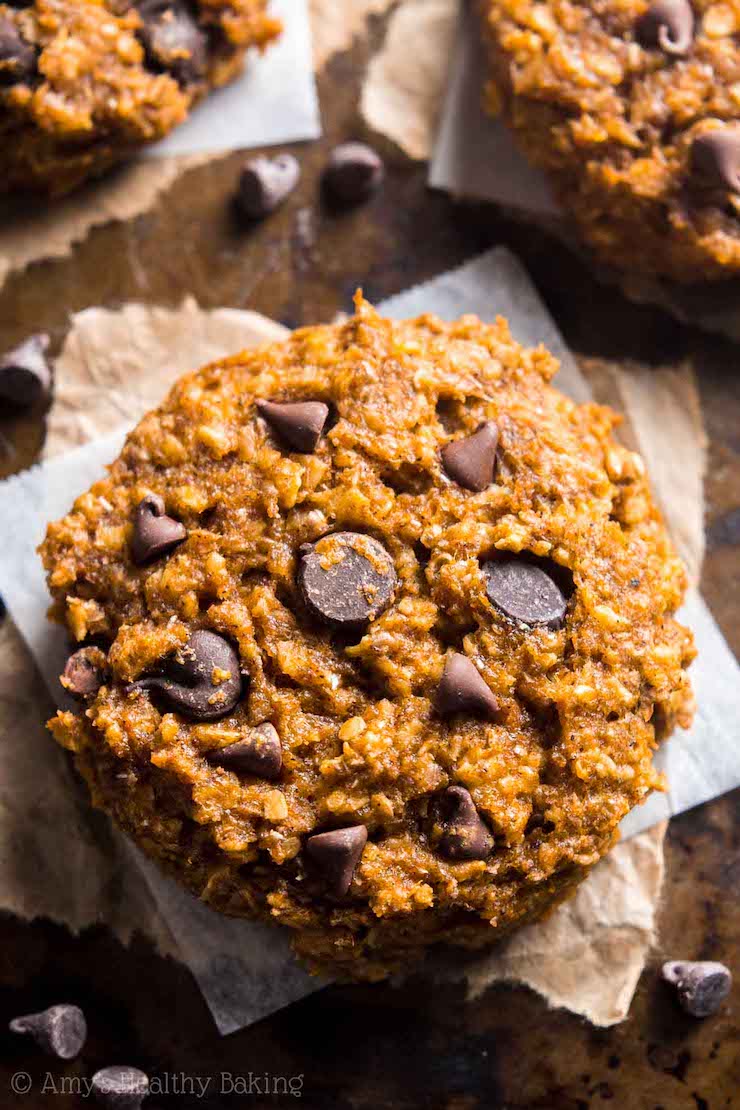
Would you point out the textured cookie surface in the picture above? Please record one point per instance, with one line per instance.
(84, 84)
(352, 679)
(633, 109)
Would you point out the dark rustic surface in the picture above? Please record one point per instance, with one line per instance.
(416, 1045)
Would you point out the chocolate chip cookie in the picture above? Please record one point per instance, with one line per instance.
(372, 636)
(633, 110)
(84, 84)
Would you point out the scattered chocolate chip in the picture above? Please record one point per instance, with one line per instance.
(353, 173)
(346, 578)
(17, 57)
(336, 854)
(463, 834)
(715, 159)
(60, 1031)
(462, 690)
(297, 424)
(701, 987)
(523, 591)
(265, 183)
(173, 40)
(25, 374)
(84, 673)
(155, 533)
(259, 753)
(120, 1087)
(471, 461)
(667, 24)
(186, 683)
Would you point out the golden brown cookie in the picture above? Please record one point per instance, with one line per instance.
(385, 636)
(85, 84)
(633, 110)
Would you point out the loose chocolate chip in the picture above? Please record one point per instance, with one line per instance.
(715, 159)
(701, 987)
(155, 533)
(17, 57)
(298, 424)
(336, 855)
(60, 1031)
(524, 592)
(471, 461)
(464, 835)
(353, 173)
(173, 40)
(265, 183)
(84, 673)
(259, 753)
(120, 1087)
(25, 374)
(667, 24)
(186, 682)
(462, 690)
(347, 578)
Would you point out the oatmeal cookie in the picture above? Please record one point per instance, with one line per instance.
(633, 110)
(374, 636)
(85, 83)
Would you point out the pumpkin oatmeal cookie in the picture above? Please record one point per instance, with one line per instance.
(85, 83)
(633, 110)
(373, 636)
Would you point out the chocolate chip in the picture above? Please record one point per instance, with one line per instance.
(186, 683)
(84, 673)
(463, 835)
(25, 374)
(462, 690)
(523, 591)
(347, 578)
(667, 24)
(173, 40)
(17, 57)
(701, 987)
(297, 424)
(259, 753)
(353, 173)
(60, 1031)
(265, 183)
(715, 159)
(120, 1087)
(336, 855)
(155, 533)
(471, 461)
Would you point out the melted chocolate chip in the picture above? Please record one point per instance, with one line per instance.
(84, 673)
(714, 159)
(265, 183)
(120, 1087)
(346, 579)
(186, 681)
(524, 592)
(353, 173)
(463, 835)
(155, 533)
(25, 374)
(701, 987)
(17, 57)
(471, 461)
(259, 753)
(173, 40)
(298, 425)
(336, 855)
(462, 690)
(669, 25)
(59, 1031)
